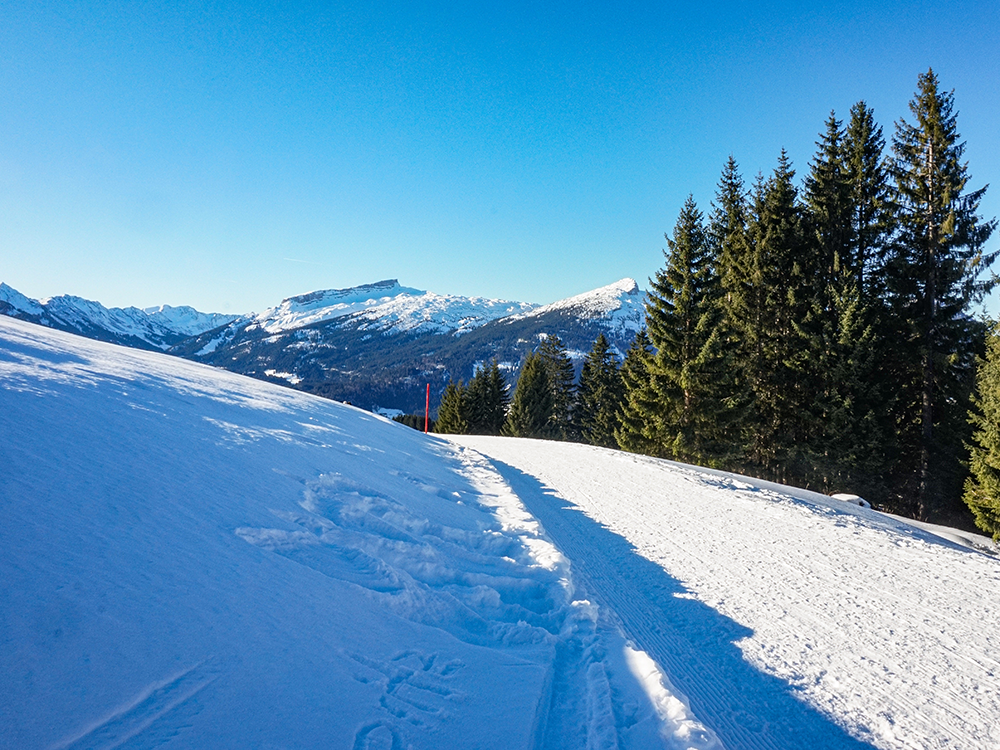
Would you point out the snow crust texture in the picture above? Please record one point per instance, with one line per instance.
(194, 559)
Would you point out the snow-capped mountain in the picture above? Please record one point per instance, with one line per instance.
(186, 320)
(153, 328)
(388, 306)
(374, 344)
(378, 345)
(620, 307)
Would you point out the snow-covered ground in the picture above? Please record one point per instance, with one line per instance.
(190, 558)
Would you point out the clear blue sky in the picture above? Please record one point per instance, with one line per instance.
(226, 155)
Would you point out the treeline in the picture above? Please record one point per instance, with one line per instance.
(819, 334)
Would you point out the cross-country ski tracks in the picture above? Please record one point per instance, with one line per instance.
(137, 724)
(691, 642)
(876, 625)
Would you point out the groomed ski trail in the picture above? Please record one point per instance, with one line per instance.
(777, 642)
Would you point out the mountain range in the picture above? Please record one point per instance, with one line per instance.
(374, 345)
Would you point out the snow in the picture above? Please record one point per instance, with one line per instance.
(18, 301)
(152, 325)
(186, 320)
(195, 559)
(621, 305)
(387, 305)
(788, 618)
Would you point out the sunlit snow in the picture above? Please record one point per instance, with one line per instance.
(195, 559)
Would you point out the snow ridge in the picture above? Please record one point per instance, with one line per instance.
(387, 305)
(158, 327)
(621, 305)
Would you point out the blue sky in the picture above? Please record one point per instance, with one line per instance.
(226, 155)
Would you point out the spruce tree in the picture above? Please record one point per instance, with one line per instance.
(871, 201)
(982, 488)
(682, 314)
(599, 395)
(530, 412)
(632, 431)
(487, 400)
(452, 415)
(780, 334)
(936, 274)
(828, 199)
(560, 373)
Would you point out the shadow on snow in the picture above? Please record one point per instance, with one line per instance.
(693, 643)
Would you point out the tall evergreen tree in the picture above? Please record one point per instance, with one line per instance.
(599, 395)
(936, 274)
(631, 433)
(452, 415)
(828, 199)
(872, 202)
(487, 400)
(781, 336)
(688, 374)
(530, 412)
(560, 372)
(853, 447)
(982, 488)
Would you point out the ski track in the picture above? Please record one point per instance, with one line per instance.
(138, 722)
(777, 643)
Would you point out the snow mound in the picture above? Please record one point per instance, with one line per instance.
(387, 305)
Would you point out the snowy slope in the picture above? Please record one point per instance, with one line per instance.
(194, 559)
(157, 327)
(185, 320)
(385, 305)
(620, 306)
(784, 615)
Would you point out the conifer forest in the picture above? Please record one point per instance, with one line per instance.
(820, 331)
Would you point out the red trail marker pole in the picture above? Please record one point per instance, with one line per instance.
(427, 408)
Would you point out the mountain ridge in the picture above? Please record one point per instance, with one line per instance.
(376, 345)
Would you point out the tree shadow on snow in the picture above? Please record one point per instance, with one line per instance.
(693, 643)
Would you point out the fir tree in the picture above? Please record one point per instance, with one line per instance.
(599, 395)
(452, 415)
(631, 433)
(780, 336)
(936, 274)
(828, 199)
(560, 373)
(530, 412)
(871, 203)
(682, 315)
(853, 447)
(982, 488)
(487, 400)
